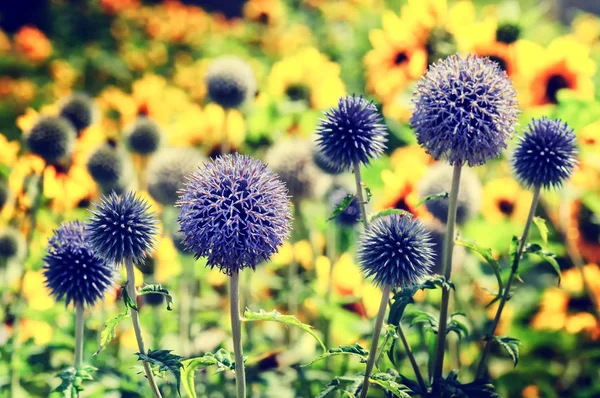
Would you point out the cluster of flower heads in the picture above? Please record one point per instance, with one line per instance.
(235, 212)
(465, 110)
(73, 269)
(122, 228)
(352, 133)
(546, 154)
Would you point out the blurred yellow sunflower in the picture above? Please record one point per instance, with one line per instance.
(505, 200)
(584, 230)
(266, 12)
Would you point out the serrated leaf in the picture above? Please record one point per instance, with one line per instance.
(511, 345)
(276, 316)
(543, 228)
(416, 317)
(440, 196)
(110, 330)
(339, 209)
(387, 345)
(165, 361)
(126, 299)
(534, 248)
(388, 212)
(338, 384)
(368, 192)
(222, 359)
(487, 255)
(71, 380)
(350, 350)
(405, 296)
(388, 382)
(157, 289)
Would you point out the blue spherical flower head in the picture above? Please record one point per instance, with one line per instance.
(72, 268)
(396, 251)
(465, 110)
(352, 133)
(546, 155)
(235, 212)
(122, 228)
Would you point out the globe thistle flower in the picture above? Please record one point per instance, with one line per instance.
(146, 266)
(12, 244)
(465, 110)
(3, 193)
(51, 138)
(122, 228)
(230, 81)
(324, 164)
(292, 161)
(167, 172)
(396, 251)
(79, 110)
(438, 179)
(508, 32)
(235, 212)
(73, 269)
(143, 137)
(352, 133)
(106, 165)
(351, 214)
(546, 154)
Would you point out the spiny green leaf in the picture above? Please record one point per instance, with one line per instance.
(222, 359)
(511, 345)
(351, 350)
(388, 212)
(368, 192)
(157, 289)
(543, 228)
(534, 248)
(339, 384)
(441, 195)
(339, 209)
(387, 345)
(486, 253)
(276, 316)
(71, 380)
(128, 300)
(389, 383)
(110, 330)
(165, 361)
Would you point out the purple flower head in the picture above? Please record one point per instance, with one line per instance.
(72, 268)
(396, 251)
(546, 154)
(351, 133)
(324, 164)
(465, 110)
(235, 212)
(122, 228)
(51, 138)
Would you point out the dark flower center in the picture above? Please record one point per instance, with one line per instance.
(508, 33)
(589, 225)
(554, 84)
(298, 92)
(400, 58)
(500, 61)
(143, 110)
(440, 44)
(580, 304)
(402, 205)
(506, 206)
(263, 18)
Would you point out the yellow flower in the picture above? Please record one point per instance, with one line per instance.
(371, 299)
(9, 151)
(307, 75)
(286, 39)
(35, 291)
(167, 265)
(347, 277)
(505, 199)
(303, 254)
(40, 332)
(586, 28)
(285, 255)
(190, 77)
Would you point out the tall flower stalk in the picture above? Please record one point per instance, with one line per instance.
(236, 331)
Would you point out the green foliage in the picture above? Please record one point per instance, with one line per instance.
(534, 248)
(388, 212)
(451, 387)
(72, 379)
(164, 361)
(276, 316)
(441, 195)
(128, 300)
(487, 255)
(511, 345)
(110, 330)
(540, 223)
(351, 350)
(221, 359)
(405, 296)
(368, 192)
(388, 382)
(157, 289)
(339, 209)
(346, 385)
(458, 325)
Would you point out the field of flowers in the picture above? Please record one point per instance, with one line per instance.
(299, 198)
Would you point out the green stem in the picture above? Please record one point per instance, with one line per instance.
(412, 360)
(236, 330)
(225, 136)
(137, 328)
(511, 277)
(359, 194)
(79, 325)
(448, 248)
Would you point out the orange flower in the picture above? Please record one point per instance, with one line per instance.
(117, 6)
(33, 44)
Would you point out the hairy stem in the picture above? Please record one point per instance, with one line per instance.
(359, 194)
(506, 294)
(448, 249)
(385, 297)
(412, 360)
(236, 330)
(137, 328)
(79, 325)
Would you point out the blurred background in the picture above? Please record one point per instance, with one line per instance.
(129, 77)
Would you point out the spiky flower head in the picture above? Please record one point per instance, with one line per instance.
(350, 216)
(107, 165)
(324, 164)
(122, 228)
(230, 81)
(168, 170)
(465, 110)
(438, 179)
(235, 212)
(352, 133)
(79, 110)
(143, 136)
(73, 269)
(545, 155)
(51, 138)
(12, 244)
(396, 251)
(3, 193)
